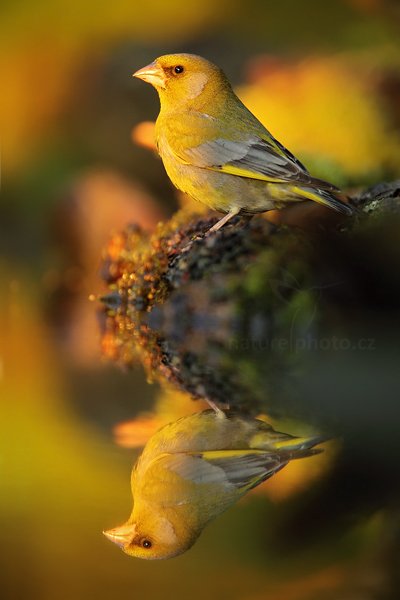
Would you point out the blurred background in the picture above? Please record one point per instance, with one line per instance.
(76, 168)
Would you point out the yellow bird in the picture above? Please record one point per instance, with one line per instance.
(192, 470)
(214, 149)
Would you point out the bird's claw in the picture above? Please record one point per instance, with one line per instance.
(196, 238)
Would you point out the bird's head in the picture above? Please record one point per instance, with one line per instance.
(152, 538)
(182, 79)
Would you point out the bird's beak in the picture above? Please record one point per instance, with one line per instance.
(153, 74)
(122, 535)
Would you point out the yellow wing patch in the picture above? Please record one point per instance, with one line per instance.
(240, 172)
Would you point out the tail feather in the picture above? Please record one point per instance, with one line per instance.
(335, 202)
(326, 198)
(299, 447)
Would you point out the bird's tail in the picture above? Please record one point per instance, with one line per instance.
(332, 199)
(299, 447)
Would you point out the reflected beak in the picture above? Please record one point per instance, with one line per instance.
(153, 74)
(122, 535)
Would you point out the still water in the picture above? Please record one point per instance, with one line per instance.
(244, 321)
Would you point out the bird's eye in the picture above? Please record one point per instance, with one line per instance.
(178, 69)
(146, 544)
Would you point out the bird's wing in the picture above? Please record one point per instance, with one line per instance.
(242, 469)
(254, 157)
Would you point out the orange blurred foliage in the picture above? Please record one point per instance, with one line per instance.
(170, 406)
(324, 107)
(98, 203)
(143, 134)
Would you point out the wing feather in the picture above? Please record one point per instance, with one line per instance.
(242, 469)
(254, 158)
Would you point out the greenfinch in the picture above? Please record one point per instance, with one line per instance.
(192, 470)
(214, 149)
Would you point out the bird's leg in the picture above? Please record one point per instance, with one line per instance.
(216, 408)
(232, 213)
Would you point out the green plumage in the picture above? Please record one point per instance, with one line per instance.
(195, 468)
(214, 149)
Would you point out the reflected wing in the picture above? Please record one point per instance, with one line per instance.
(242, 469)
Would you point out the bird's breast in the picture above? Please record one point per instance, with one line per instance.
(176, 170)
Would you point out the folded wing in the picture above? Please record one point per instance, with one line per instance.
(242, 469)
(254, 158)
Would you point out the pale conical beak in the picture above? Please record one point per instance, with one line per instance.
(153, 74)
(122, 535)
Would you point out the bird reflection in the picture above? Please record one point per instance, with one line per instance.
(192, 470)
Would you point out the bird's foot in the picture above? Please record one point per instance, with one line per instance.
(196, 238)
(217, 409)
